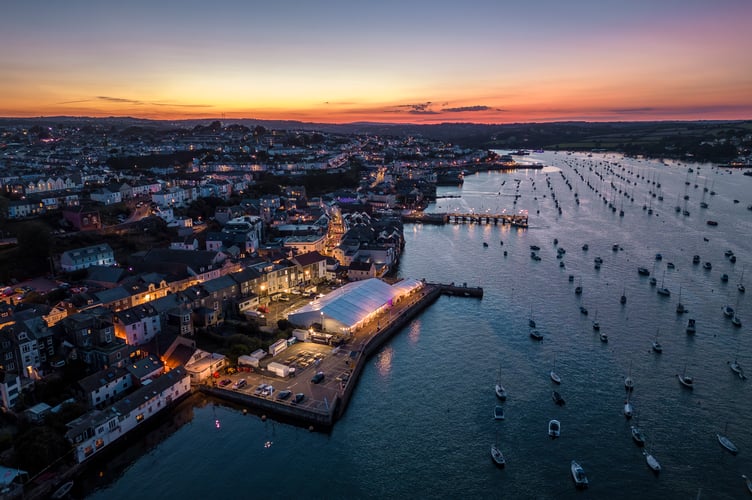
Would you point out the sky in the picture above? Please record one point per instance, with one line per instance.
(414, 61)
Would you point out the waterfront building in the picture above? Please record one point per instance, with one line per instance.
(97, 429)
(347, 308)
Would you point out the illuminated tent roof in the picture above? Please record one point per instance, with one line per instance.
(350, 304)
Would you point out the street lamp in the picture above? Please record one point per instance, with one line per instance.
(322, 322)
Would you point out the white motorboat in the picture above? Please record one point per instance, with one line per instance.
(654, 465)
(554, 428)
(578, 474)
(603, 336)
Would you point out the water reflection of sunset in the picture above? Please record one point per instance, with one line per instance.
(384, 363)
(414, 334)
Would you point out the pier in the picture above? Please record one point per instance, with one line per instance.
(326, 402)
(515, 220)
(460, 290)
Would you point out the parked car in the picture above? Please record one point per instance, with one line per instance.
(318, 378)
(284, 394)
(240, 384)
(299, 397)
(225, 382)
(259, 389)
(268, 390)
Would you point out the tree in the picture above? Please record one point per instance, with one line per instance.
(34, 242)
(39, 447)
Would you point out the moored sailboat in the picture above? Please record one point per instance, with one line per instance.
(496, 455)
(554, 376)
(501, 393)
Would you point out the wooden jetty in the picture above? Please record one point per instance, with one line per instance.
(516, 220)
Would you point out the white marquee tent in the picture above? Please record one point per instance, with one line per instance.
(351, 305)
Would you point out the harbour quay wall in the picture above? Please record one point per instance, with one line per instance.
(430, 294)
(298, 414)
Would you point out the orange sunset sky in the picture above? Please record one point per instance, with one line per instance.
(387, 61)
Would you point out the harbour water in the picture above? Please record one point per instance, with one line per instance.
(420, 423)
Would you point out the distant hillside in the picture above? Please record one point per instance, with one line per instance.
(704, 140)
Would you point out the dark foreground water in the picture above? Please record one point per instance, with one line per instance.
(420, 423)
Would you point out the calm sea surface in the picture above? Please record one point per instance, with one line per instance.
(420, 423)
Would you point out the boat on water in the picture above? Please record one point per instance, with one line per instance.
(728, 311)
(628, 410)
(536, 335)
(707, 266)
(554, 376)
(623, 298)
(585, 247)
(724, 277)
(498, 412)
(736, 321)
(63, 490)
(740, 285)
(686, 381)
(657, 347)
(691, 326)
(531, 321)
(554, 428)
(663, 290)
(628, 381)
(642, 271)
(737, 368)
(727, 444)
(596, 324)
(637, 436)
(497, 456)
(557, 398)
(578, 475)
(583, 310)
(654, 465)
(696, 259)
(603, 336)
(747, 480)
(501, 393)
